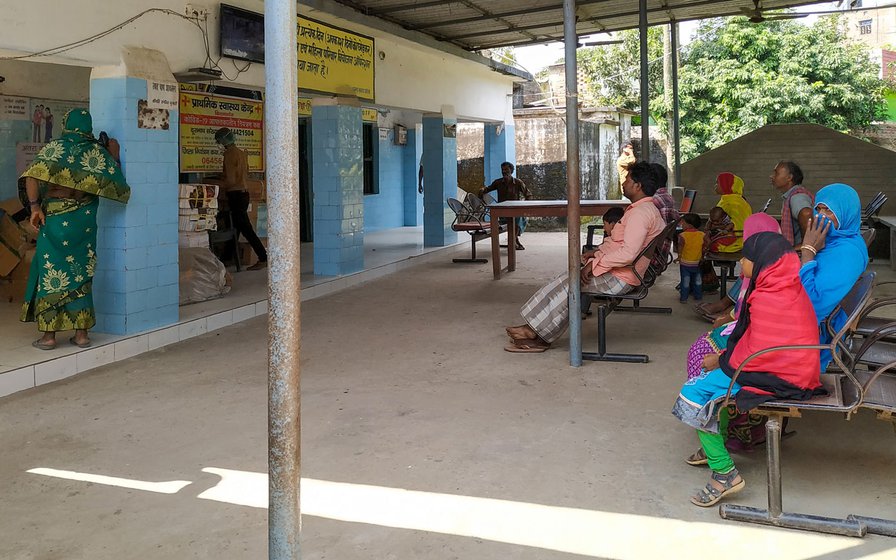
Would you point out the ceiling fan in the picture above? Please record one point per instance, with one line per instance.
(755, 15)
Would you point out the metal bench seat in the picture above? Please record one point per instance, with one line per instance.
(606, 304)
(847, 391)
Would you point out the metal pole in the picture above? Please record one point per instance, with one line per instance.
(676, 130)
(281, 135)
(773, 448)
(573, 190)
(645, 94)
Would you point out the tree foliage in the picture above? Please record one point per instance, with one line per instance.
(612, 73)
(736, 76)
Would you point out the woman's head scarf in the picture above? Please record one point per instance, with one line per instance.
(757, 223)
(729, 183)
(77, 161)
(844, 256)
(735, 205)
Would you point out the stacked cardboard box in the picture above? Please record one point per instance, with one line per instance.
(197, 213)
(16, 252)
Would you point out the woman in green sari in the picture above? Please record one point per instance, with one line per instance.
(61, 190)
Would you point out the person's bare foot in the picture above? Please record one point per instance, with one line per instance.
(521, 332)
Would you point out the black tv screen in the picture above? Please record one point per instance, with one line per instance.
(242, 34)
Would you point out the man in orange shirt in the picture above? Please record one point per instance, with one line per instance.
(608, 272)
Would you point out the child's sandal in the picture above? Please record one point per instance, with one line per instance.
(731, 483)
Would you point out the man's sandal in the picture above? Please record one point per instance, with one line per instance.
(698, 459)
(731, 483)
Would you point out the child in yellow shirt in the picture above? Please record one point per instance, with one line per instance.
(690, 252)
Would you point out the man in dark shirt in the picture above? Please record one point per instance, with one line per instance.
(510, 188)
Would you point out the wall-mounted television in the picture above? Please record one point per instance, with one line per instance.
(242, 34)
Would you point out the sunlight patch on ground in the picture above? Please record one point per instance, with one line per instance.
(577, 531)
(170, 487)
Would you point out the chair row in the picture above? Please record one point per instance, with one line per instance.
(863, 377)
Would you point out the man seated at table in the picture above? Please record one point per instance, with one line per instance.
(608, 272)
(510, 188)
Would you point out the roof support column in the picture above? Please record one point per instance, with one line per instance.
(573, 190)
(645, 93)
(676, 131)
(282, 155)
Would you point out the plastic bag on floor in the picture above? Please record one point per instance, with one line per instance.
(202, 275)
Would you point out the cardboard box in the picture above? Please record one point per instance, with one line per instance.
(247, 255)
(192, 239)
(12, 287)
(11, 205)
(198, 191)
(257, 190)
(13, 241)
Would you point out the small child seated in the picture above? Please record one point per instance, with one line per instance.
(690, 252)
(610, 218)
(719, 230)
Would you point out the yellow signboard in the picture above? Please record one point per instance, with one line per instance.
(304, 107)
(368, 114)
(202, 114)
(333, 60)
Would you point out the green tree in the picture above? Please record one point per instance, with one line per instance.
(737, 76)
(612, 73)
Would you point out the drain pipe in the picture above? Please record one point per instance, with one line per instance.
(281, 138)
(573, 190)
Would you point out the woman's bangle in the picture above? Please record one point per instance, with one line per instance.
(810, 248)
(34, 203)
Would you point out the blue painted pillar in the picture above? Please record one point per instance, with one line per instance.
(439, 179)
(500, 146)
(136, 280)
(412, 199)
(337, 152)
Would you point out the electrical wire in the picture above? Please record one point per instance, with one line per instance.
(203, 29)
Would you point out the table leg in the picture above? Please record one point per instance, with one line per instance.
(723, 281)
(511, 244)
(496, 250)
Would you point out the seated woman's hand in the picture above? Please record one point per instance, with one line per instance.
(817, 232)
(721, 320)
(710, 362)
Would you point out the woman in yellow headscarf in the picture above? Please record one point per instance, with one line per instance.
(729, 215)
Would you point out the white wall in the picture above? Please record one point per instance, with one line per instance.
(411, 76)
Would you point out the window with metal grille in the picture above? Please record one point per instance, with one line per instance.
(865, 27)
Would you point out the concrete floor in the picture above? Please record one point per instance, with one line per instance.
(422, 438)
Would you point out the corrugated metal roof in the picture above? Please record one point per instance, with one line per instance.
(481, 24)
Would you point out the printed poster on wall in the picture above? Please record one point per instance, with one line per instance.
(333, 60)
(25, 154)
(202, 114)
(14, 108)
(46, 117)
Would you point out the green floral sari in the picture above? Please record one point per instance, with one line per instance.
(59, 293)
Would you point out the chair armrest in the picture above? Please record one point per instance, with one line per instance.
(767, 351)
